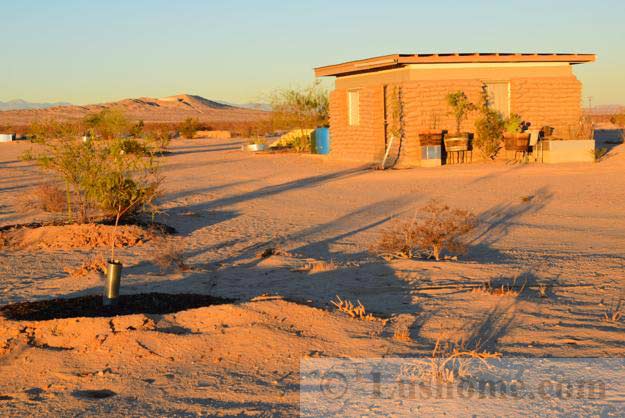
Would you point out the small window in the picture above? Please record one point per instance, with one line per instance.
(499, 97)
(353, 107)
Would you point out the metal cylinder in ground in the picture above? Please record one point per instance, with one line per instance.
(113, 279)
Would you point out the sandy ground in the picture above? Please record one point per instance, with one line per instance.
(562, 226)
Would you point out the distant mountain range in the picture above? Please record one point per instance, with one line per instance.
(172, 109)
(258, 106)
(19, 104)
(606, 109)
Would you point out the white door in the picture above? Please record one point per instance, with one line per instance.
(499, 97)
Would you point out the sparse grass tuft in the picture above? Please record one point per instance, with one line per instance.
(502, 287)
(543, 290)
(355, 311)
(321, 267)
(614, 313)
(450, 362)
(526, 199)
(402, 334)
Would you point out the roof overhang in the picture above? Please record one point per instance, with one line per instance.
(399, 60)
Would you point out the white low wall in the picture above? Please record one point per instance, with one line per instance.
(6, 137)
(569, 151)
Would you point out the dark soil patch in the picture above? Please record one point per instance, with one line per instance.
(93, 394)
(91, 306)
(155, 226)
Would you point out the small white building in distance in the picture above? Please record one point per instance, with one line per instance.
(7, 137)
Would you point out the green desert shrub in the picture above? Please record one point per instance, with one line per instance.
(189, 127)
(300, 108)
(116, 176)
(513, 124)
(138, 129)
(107, 124)
(489, 128)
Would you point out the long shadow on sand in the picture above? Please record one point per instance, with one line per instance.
(269, 191)
(497, 222)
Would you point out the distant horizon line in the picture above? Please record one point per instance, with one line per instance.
(28, 104)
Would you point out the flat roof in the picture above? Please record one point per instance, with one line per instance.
(400, 60)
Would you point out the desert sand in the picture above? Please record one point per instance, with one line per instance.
(561, 227)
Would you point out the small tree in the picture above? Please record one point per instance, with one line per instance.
(489, 128)
(189, 127)
(128, 180)
(461, 107)
(65, 155)
(434, 229)
(301, 109)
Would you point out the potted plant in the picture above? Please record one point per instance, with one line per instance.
(431, 137)
(255, 144)
(461, 107)
(515, 137)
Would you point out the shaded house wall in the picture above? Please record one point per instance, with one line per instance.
(541, 94)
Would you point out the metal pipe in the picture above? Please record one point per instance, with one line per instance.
(113, 279)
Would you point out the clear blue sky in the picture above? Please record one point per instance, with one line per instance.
(238, 50)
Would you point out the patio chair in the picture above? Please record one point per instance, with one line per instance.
(534, 139)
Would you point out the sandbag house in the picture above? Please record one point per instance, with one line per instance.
(541, 88)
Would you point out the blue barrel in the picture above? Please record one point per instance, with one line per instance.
(322, 141)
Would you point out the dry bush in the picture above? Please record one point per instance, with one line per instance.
(502, 287)
(170, 254)
(450, 362)
(614, 313)
(435, 228)
(355, 311)
(49, 197)
(95, 264)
